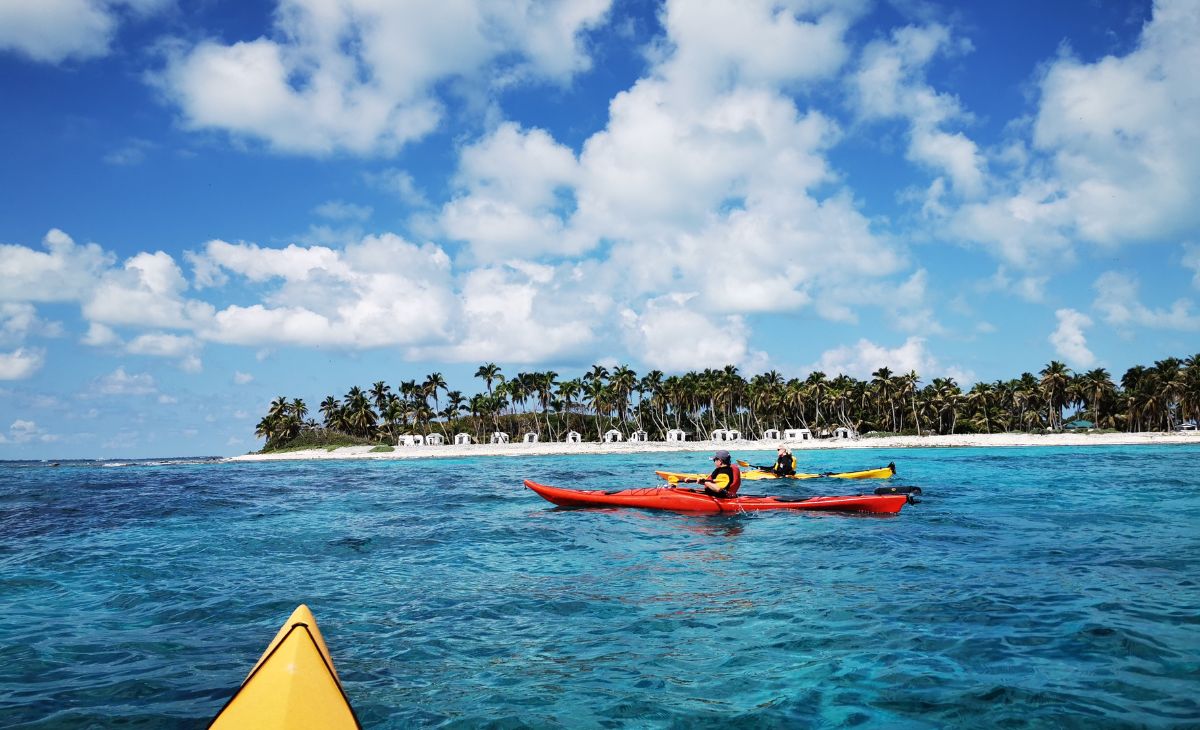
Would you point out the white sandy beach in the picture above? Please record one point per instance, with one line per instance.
(888, 442)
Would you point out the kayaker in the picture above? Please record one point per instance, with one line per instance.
(725, 480)
(785, 463)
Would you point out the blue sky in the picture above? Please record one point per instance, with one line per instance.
(206, 205)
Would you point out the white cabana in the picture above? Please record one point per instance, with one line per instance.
(841, 432)
(530, 438)
(733, 435)
(409, 439)
(639, 435)
(676, 434)
(797, 434)
(434, 439)
(574, 437)
(613, 436)
(771, 434)
(720, 435)
(499, 437)
(462, 439)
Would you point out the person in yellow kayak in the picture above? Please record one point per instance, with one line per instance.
(725, 479)
(785, 463)
(784, 466)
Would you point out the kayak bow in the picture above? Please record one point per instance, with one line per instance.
(293, 685)
(690, 500)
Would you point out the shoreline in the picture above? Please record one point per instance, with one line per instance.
(452, 451)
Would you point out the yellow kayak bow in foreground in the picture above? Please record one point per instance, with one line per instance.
(885, 472)
(293, 685)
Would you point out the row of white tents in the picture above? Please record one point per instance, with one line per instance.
(720, 435)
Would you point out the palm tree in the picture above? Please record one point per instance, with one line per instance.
(1055, 378)
(379, 394)
(331, 410)
(489, 372)
(881, 380)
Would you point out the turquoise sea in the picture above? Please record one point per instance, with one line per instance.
(1030, 588)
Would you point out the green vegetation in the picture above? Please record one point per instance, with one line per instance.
(382, 449)
(1147, 399)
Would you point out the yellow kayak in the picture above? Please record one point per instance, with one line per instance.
(293, 685)
(885, 472)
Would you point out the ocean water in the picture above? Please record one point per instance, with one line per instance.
(1029, 588)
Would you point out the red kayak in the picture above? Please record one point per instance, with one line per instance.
(689, 500)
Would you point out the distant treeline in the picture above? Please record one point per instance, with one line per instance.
(1153, 398)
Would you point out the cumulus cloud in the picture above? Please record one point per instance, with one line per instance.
(865, 357)
(1191, 260)
(64, 272)
(378, 292)
(1069, 340)
(670, 335)
(242, 378)
(22, 431)
(1118, 302)
(148, 291)
(359, 75)
(509, 204)
(890, 83)
(19, 320)
(183, 348)
(119, 382)
(21, 363)
(1116, 149)
(52, 31)
(99, 335)
(518, 313)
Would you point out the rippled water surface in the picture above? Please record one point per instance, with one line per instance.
(1030, 587)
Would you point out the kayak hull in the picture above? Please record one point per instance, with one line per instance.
(886, 472)
(688, 500)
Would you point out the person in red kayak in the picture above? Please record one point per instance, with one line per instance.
(725, 480)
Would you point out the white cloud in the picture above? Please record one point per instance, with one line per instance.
(671, 335)
(20, 363)
(132, 152)
(64, 273)
(99, 335)
(359, 75)
(518, 313)
(865, 357)
(184, 348)
(509, 206)
(22, 431)
(716, 44)
(890, 83)
(1029, 287)
(19, 320)
(52, 31)
(242, 378)
(147, 291)
(1118, 302)
(340, 210)
(120, 382)
(1191, 260)
(1115, 151)
(381, 291)
(1069, 340)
